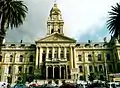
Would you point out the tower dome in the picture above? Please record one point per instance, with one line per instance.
(55, 10)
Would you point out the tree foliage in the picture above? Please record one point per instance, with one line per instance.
(113, 23)
(12, 14)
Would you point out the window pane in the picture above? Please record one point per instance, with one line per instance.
(89, 58)
(11, 58)
(43, 56)
(79, 58)
(9, 70)
(21, 58)
(20, 68)
(108, 56)
(31, 58)
(68, 58)
(90, 68)
(80, 69)
(99, 57)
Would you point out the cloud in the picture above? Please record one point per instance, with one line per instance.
(83, 19)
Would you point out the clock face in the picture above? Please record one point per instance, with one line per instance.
(55, 17)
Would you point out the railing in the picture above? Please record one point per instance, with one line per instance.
(56, 59)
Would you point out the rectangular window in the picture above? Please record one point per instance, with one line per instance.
(9, 70)
(79, 58)
(20, 69)
(100, 68)
(21, 58)
(43, 56)
(99, 57)
(90, 68)
(50, 56)
(80, 69)
(62, 55)
(68, 57)
(9, 79)
(89, 58)
(55, 55)
(108, 56)
(81, 77)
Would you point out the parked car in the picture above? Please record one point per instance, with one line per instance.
(4, 84)
(19, 86)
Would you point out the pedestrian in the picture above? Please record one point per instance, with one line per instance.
(56, 83)
(49, 85)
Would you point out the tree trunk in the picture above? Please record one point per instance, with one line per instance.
(2, 31)
(1, 41)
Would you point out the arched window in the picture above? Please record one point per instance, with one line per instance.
(52, 31)
(11, 57)
(31, 58)
(30, 70)
(19, 68)
(21, 58)
(0, 58)
(80, 69)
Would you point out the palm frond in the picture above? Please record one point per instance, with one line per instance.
(114, 20)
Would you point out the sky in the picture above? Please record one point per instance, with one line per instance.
(83, 20)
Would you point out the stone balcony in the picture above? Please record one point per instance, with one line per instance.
(56, 60)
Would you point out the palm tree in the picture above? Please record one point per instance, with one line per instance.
(113, 23)
(12, 14)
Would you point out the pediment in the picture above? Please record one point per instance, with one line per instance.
(57, 38)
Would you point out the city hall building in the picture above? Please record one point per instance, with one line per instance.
(57, 56)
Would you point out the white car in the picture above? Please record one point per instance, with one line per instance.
(3, 84)
(116, 84)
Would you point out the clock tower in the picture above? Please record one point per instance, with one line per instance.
(55, 22)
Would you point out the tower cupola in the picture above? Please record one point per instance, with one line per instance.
(55, 22)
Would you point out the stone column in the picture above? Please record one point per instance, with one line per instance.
(46, 72)
(71, 57)
(53, 52)
(64, 52)
(58, 52)
(40, 55)
(47, 52)
(75, 64)
(60, 71)
(36, 57)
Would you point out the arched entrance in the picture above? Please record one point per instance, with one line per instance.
(56, 73)
(50, 72)
(63, 72)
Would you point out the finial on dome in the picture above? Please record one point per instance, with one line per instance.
(55, 2)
